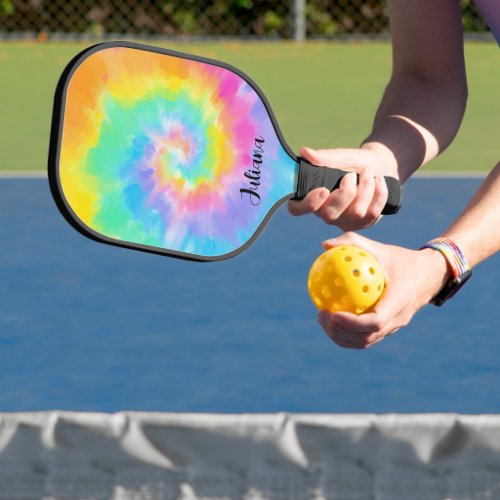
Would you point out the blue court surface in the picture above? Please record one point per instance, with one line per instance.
(91, 327)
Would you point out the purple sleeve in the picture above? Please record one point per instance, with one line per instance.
(490, 9)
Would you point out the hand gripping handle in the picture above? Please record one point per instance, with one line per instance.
(311, 177)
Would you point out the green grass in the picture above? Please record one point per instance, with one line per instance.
(323, 94)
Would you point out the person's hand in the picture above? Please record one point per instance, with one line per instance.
(413, 278)
(351, 206)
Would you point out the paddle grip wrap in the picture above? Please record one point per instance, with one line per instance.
(312, 177)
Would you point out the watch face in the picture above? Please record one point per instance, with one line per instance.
(451, 288)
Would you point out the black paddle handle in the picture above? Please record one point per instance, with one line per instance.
(312, 177)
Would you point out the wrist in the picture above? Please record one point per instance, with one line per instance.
(437, 272)
(386, 157)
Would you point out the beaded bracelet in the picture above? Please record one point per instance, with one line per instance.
(459, 267)
(452, 254)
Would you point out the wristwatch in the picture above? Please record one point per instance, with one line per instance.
(460, 270)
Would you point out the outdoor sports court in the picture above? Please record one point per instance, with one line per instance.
(91, 327)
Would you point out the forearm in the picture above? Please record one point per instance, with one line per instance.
(416, 120)
(424, 103)
(477, 230)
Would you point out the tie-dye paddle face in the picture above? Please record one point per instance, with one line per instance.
(164, 152)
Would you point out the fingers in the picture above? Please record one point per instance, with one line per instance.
(338, 158)
(340, 338)
(316, 198)
(380, 196)
(364, 195)
(365, 207)
(355, 332)
(368, 323)
(351, 238)
(331, 207)
(335, 205)
(347, 206)
(310, 204)
(355, 204)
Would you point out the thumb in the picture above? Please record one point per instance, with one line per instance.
(349, 238)
(338, 158)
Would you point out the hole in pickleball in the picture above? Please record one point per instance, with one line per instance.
(346, 299)
(363, 254)
(360, 309)
(326, 292)
(366, 289)
(339, 281)
(372, 270)
(348, 258)
(317, 276)
(379, 288)
(356, 273)
(317, 300)
(337, 306)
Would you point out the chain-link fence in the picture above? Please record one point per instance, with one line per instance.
(206, 18)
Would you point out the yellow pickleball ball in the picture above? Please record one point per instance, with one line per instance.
(346, 278)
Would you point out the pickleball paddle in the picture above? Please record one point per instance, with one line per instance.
(171, 153)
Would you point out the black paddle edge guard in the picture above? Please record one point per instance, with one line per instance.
(56, 140)
(312, 177)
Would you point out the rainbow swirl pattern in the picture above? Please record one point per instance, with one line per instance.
(154, 148)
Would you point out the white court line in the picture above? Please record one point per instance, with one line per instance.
(454, 174)
(22, 174)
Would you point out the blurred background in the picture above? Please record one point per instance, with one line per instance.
(324, 91)
(278, 19)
